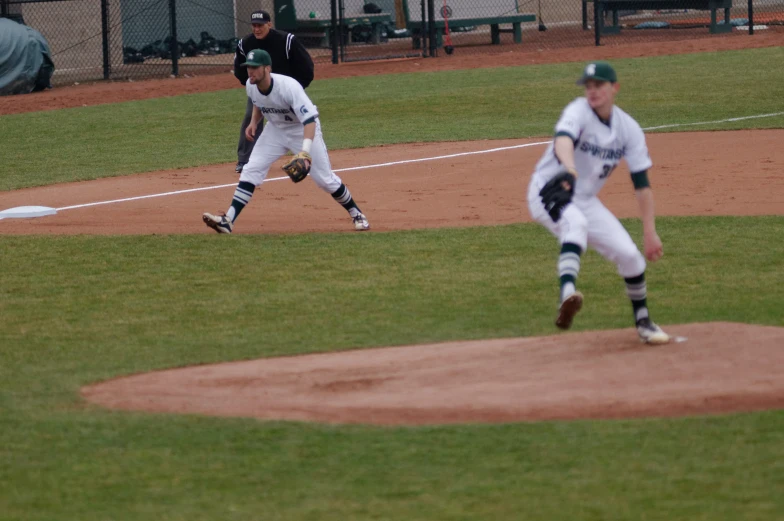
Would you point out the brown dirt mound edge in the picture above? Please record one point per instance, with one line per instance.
(720, 368)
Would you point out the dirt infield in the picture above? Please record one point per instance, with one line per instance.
(708, 173)
(606, 374)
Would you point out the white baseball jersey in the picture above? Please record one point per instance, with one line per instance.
(285, 105)
(599, 147)
(287, 108)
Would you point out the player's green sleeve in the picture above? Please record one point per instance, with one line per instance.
(640, 180)
(564, 133)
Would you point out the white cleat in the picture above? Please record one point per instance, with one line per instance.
(650, 333)
(569, 308)
(219, 223)
(361, 223)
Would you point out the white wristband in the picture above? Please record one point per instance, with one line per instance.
(306, 143)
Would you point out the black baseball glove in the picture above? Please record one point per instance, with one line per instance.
(557, 193)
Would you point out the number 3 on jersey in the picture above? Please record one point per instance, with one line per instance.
(606, 171)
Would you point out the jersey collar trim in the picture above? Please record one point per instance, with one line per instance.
(606, 122)
(272, 84)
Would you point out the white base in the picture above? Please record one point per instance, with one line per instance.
(21, 212)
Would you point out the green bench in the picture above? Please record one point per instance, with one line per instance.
(301, 25)
(613, 6)
(466, 14)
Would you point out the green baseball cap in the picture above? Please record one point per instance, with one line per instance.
(257, 58)
(600, 71)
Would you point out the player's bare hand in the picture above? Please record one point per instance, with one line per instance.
(653, 247)
(250, 132)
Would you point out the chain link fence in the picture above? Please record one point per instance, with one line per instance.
(122, 39)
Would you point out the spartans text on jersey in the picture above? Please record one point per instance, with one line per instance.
(272, 110)
(602, 153)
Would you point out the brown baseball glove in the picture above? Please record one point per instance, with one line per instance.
(299, 166)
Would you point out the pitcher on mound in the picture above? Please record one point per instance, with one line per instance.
(591, 138)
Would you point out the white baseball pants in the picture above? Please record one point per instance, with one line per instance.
(587, 222)
(276, 141)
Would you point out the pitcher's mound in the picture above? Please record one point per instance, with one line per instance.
(719, 367)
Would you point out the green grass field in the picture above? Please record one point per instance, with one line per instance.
(187, 131)
(79, 309)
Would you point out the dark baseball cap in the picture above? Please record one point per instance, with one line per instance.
(257, 58)
(600, 71)
(260, 17)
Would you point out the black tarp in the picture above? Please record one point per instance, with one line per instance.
(25, 59)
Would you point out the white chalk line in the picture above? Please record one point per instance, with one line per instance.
(148, 196)
(728, 120)
(379, 165)
(406, 161)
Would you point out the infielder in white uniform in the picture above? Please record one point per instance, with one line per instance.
(292, 125)
(591, 138)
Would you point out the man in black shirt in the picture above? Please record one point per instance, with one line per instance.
(289, 57)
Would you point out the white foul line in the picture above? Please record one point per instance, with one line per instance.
(487, 151)
(405, 161)
(729, 120)
(143, 197)
(286, 177)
